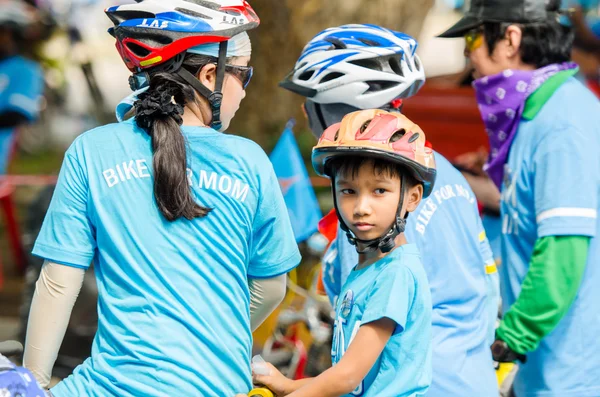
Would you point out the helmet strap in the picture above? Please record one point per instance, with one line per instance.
(385, 243)
(214, 98)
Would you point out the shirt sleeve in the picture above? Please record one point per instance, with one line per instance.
(555, 273)
(68, 236)
(565, 184)
(391, 297)
(273, 250)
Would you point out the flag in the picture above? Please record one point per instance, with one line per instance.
(295, 184)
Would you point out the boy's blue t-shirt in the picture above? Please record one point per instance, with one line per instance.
(457, 258)
(394, 287)
(173, 305)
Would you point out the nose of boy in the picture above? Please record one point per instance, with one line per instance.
(361, 207)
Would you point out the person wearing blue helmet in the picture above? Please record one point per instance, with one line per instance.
(353, 67)
(186, 226)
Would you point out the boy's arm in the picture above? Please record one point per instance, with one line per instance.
(345, 376)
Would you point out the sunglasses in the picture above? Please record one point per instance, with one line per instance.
(242, 73)
(473, 39)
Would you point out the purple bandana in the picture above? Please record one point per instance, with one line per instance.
(501, 100)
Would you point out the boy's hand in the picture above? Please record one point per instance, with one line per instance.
(275, 381)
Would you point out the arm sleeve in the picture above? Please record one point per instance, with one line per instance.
(68, 235)
(391, 296)
(550, 287)
(273, 249)
(55, 294)
(265, 295)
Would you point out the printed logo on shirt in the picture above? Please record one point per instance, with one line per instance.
(339, 345)
(138, 169)
(439, 196)
(347, 303)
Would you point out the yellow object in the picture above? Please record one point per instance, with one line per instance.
(491, 268)
(473, 39)
(261, 392)
(502, 372)
(482, 236)
(151, 61)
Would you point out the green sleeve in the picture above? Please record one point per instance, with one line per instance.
(550, 287)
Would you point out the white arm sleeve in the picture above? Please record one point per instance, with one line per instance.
(55, 294)
(265, 295)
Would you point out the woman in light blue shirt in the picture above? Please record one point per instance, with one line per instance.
(186, 226)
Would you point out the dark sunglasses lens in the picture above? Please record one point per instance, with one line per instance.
(247, 76)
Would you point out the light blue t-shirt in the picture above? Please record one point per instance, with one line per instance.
(21, 85)
(173, 306)
(551, 188)
(457, 258)
(394, 287)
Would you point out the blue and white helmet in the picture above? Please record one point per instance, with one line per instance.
(364, 66)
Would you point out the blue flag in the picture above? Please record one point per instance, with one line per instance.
(295, 184)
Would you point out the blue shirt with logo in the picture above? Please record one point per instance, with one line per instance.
(551, 188)
(173, 308)
(394, 287)
(458, 260)
(21, 85)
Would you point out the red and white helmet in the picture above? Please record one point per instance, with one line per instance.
(150, 32)
(376, 133)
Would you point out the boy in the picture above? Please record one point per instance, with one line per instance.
(380, 170)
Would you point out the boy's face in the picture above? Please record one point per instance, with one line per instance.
(368, 201)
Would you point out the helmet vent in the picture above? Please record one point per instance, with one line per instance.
(368, 42)
(203, 3)
(396, 66)
(306, 75)
(363, 127)
(414, 137)
(337, 43)
(417, 64)
(331, 76)
(138, 50)
(121, 16)
(192, 13)
(376, 86)
(397, 135)
(337, 135)
(368, 63)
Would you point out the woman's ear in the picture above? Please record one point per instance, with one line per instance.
(413, 198)
(208, 76)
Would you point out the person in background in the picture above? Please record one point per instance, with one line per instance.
(544, 132)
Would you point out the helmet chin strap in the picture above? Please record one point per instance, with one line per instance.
(215, 98)
(384, 243)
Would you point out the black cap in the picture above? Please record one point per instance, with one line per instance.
(513, 11)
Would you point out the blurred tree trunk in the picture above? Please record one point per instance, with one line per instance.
(286, 26)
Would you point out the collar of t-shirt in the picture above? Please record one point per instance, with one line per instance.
(538, 99)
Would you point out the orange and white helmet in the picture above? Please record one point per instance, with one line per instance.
(378, 134)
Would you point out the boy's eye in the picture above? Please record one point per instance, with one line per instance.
(347, 191)
(380, 191)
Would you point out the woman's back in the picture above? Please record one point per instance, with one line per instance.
(173, 296)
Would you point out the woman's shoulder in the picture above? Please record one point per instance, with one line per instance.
(248, 150)
(109, 134)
